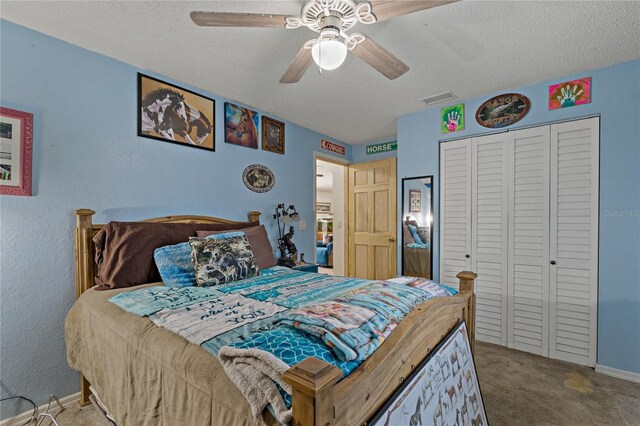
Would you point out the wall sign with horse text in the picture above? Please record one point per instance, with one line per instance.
(442, 390)
(240, 126)
(503, 110)
(173, 114)
(379, 148)
(333, 147)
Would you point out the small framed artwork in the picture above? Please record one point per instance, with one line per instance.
(272, 135)
(240, 126)
(172, 114)
(415, 201)
(452, 118)
(570, 93)
(323, 207)
(16, 151)
(442, 390)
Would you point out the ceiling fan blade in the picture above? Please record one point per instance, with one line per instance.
(387, 9)
(298, 66)
(380, 59)
(223, 19)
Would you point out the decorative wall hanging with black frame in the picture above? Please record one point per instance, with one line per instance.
(503, 110)
(272, 135)
(173, 114)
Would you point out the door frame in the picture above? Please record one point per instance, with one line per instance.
(344, 163)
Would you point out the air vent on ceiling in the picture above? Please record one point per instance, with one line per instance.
(434, 99)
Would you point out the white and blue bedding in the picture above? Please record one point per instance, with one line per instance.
(288, 314)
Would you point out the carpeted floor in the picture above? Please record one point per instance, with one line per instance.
(524, 389)
(519, 389)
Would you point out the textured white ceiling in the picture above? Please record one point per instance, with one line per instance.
(470, 47)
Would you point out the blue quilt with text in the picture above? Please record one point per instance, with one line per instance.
(290, 314)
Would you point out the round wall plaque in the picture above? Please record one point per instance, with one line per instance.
(258, 178)
(503, 110)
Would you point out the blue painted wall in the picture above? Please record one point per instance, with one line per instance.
(616, 98)
(87, 154)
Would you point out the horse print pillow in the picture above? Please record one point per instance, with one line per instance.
(220, 261)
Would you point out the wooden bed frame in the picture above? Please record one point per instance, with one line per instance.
(319, 398)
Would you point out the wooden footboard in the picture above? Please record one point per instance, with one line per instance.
(319, 399)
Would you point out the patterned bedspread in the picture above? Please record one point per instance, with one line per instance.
(288, 314)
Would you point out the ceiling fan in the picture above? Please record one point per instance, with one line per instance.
(332, 19)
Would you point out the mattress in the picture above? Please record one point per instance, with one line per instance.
(147, 375)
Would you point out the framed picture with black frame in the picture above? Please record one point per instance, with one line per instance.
(174, 114)
(442, 390)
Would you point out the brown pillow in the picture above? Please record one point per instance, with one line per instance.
(259, 242)
(124, 250)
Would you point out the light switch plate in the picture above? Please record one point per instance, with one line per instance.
(303, 225)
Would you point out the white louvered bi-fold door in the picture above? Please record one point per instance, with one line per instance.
(529, 241)
(455, 210)
(489, 220)
(574, 240)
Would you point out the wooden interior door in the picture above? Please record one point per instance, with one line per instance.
(372, 219)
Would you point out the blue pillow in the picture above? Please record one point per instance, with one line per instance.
(175, 264)
(415, 235)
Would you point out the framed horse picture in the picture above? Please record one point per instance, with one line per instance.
(442, 390)
(173, 114)
(16, 147)
(272, 135)
(240, 126)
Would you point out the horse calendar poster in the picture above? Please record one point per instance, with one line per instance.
(173, 114)
(443, 390)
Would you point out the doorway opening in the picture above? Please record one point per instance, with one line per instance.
(330, 216)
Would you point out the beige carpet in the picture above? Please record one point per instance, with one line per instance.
(520, 389)
(523, 389)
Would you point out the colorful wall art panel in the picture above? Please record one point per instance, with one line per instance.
(570, 93)
(240, 126)
(452, 118)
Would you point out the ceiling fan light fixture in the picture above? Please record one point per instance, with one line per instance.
(329, 53)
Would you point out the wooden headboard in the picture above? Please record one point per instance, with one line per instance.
(85, 231)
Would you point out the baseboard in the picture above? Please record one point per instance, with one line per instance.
(619, 374)
(66, 402)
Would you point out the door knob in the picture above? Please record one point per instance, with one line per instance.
(467, 256)
(553, 262)
(392, 240)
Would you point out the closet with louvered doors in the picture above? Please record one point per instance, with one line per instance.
(521, 209)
